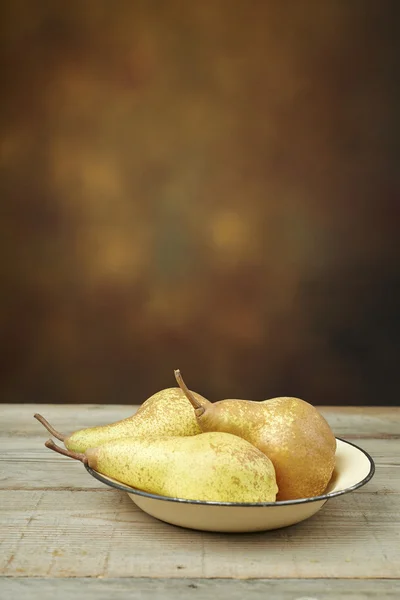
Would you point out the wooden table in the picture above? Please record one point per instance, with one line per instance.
(63, 533)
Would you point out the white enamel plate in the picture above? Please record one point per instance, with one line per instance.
(354, 468)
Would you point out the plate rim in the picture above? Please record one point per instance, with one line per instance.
(323, 497)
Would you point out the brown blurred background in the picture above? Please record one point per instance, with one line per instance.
(210, 185)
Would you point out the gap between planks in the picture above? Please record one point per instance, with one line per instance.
(200, 589)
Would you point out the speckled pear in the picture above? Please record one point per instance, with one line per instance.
(166, 413)
(290, 431)
(217, 467)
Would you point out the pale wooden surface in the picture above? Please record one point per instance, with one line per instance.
(198, 589)
(70, 532)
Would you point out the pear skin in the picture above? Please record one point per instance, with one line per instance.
(290, 431)
(216, 467)
(166, 413)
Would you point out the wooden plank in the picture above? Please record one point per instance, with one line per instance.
(103, 534)
(199, 589)
(354, 422)
(57, 521)
(26, 464)
(17, 419)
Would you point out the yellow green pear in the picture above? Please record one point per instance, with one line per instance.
(290, 431)
(166, 413)
(217, 467)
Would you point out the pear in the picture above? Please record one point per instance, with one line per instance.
(290, 431)
(217, 467)
(166, 413)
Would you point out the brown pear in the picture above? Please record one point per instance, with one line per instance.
(166, 413)
(290, 431)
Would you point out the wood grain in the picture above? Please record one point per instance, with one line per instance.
(198, 589)
(57, 522)
(94, 533)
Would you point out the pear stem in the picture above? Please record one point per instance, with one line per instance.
(76, 455)
(49, 428)
(199, 408)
